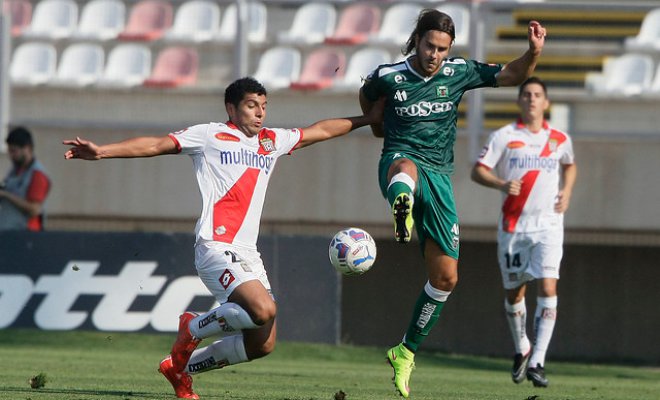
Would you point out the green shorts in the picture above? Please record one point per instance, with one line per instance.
(434, 210)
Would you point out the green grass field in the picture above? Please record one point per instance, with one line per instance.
(93, 365)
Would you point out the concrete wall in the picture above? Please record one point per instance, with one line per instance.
(330, 182)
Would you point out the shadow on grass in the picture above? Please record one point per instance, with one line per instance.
(55, 391)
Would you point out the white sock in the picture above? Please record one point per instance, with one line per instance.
(227, 351)
(227, 319)
(544, 325)
(403, 178)
(516, 315)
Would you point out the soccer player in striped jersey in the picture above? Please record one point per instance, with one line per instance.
(233, 162)
(422, 94)
(533, 165)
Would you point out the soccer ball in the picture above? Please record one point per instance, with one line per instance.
(352, 251)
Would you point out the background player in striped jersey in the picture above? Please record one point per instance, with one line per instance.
(422, 94)
(233, 162)
(533, 165)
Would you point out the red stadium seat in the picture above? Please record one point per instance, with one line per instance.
(21, 14)
(175, 66)
(321, 69)
(148, 20)
(356, 24)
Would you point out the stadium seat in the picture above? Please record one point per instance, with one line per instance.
(397, 24)
(278, 67)
(321, 68)
(21, 14)
(81, 64)
(357, 23)
(53, 19)
(257, 20)
(627, 75)
(312, 23)
(361, 64)
(101, 20)
(648, 38)
(129, 64)
(148, 20)
(33, 63)
(460, 14)
(195, 21)
(175, 66)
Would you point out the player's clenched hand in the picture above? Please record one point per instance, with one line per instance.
(536, 35)
(562, 202)
(512, 187)
(83, 149)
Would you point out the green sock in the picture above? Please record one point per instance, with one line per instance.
(425, 315)
(396, 189)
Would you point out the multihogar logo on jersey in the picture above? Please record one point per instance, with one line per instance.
(534, 163)
(424, 109)
(248, 158)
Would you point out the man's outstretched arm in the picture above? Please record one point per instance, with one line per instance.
(145, 146)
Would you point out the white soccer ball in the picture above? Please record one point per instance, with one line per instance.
(352, 251)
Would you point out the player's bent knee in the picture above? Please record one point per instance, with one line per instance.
(263, 312)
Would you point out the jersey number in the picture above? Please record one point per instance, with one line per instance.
(512, 260)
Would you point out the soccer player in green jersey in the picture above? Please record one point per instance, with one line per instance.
(422, 94)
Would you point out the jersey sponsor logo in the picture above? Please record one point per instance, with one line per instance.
(227, 136)
(515, 144)
(534, 163)
(248, 158)
(442, 91)
(424, 109)
(401, 95)
(448, 71)
(226, 278)
(484, 151)
(399, 78)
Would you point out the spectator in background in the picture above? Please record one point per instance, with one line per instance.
(24, 190)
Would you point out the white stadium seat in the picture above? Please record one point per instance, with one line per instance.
(397, 23)
(257, 20)
(648, 38)
(101, 20)
(361, 64)
(195, 21)
(312, 23)
(53, 19)
(81, 64)
(627, 75)
(128, 65)
(33, 63)
(278, 67)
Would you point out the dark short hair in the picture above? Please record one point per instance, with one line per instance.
(530, 80)
(237, 90)
(430, 19)
(20, 137)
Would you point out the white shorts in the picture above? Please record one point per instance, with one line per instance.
(223, 267)
(527, 256)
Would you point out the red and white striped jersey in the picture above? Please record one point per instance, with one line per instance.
(534, 158)
(232, 172)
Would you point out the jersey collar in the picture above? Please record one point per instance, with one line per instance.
(521, 125)
(414, 72)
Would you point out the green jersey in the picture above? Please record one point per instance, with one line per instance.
(421, 113)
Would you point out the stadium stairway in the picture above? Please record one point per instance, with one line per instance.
(576, 25)
(563, 71)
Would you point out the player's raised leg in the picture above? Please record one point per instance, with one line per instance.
(402, 177)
